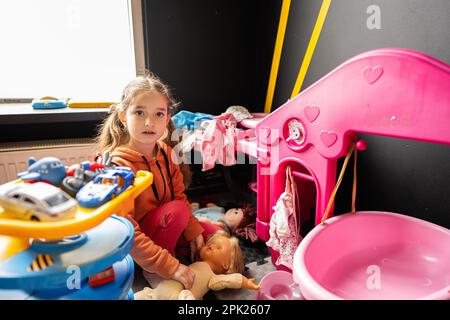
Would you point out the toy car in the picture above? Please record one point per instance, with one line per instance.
(105, 186)
(37, 202)
(79, 175)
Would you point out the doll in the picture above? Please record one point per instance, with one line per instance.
(240, 222)
(220, 267)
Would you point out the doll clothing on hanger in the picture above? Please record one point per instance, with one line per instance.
(284, 235)
(219, 142)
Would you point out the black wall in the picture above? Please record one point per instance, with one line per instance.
(394, 175)
(218, 53)
(213, 53)
(422, 25)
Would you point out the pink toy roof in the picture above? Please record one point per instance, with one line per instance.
(391, 92)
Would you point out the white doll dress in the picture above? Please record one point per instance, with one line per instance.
(284, 231)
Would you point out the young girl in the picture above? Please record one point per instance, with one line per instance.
(162, 216)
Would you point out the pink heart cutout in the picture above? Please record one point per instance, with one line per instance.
(311, 113)
(372, 74)
(328, 138)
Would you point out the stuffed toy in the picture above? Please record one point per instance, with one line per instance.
(240, 222)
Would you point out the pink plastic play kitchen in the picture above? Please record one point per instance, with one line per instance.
(360, 255)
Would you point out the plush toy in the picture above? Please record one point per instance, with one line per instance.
(221, 267)
(240, 222)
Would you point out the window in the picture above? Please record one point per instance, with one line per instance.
(28, 201)
(108, 181)
(75, 48)
(56, 200)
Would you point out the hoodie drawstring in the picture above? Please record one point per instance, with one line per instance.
(155, 191)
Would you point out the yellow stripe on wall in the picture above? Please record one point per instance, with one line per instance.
(277, 54)
(311, 47)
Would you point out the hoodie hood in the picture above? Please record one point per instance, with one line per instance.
(137, 158)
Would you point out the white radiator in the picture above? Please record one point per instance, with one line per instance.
(14, 156)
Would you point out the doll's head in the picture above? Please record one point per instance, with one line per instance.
(233, 217)
(223, 254)
(240, 217)
(242, 222)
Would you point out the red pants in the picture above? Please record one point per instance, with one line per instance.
(165, 226)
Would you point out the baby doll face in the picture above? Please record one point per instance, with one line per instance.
(217, 253)
(146, 118)
(233, 217)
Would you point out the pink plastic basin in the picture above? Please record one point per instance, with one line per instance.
(374, 255)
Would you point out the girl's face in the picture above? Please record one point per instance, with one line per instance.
(146, 118)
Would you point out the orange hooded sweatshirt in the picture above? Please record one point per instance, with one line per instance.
(150, 256)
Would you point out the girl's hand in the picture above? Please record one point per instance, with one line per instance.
(184, 275)
(196, 244)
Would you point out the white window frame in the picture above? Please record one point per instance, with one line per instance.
(137, 34)
(136, 19)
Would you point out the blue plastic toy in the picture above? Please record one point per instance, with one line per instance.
(120, 288)
(105, 186)
(61, 269)
(48, 103)
(48, 169)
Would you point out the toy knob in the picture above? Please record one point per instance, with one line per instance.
(361, 145)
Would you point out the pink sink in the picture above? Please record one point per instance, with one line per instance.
(374, 255)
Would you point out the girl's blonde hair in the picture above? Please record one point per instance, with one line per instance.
(236, 259)
(112, 132)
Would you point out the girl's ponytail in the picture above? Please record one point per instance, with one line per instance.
(112, 132)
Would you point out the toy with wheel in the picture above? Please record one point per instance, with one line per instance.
(78, 253)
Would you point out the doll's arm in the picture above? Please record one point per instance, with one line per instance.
(250, 284)
(223, 281)
(195, 206)
(217, 223)
(211, 205)
(233, 281)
